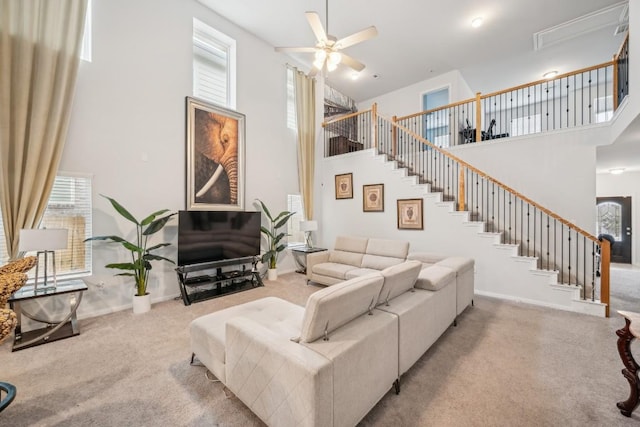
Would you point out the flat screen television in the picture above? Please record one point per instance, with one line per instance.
(206, 236)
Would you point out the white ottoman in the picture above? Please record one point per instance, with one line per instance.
(208, 331)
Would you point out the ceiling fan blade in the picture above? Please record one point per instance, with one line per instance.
(316, 26)
(353, 63)
(296, 49)
(360, 36)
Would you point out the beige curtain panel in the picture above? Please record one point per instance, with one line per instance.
(40, 43)
(306, 120)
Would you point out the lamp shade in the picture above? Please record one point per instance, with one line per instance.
(43, 239)
(308, 225)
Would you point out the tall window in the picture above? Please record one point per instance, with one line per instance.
(291, 100)
(294, 204)
(69, 207)
(214, 65)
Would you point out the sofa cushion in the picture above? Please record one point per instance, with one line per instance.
(344, 257)
(435, 277)
(378, 262)
(388, 248)
(351, 244)
(398, 279)
(332, 307)
(359, 272)
(332, 269)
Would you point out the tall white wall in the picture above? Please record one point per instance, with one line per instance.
(128, 128)
(554, 169)
(625, 185)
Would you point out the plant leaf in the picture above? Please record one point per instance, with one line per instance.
(159, 245)
(122, 266)
(121, 210)
(126, 274)
(281, 214)
(281, 248)
(267, 231)
(266, 211)
(153, 216)
(130, 246)
(157, 257)
(284, 220)
(157, 225)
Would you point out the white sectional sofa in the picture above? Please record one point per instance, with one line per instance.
(354, 256)
(329, 363)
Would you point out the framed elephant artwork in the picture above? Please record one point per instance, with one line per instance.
(215, 157)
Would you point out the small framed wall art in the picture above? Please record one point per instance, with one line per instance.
(410, 214)
(344, 186)
(373, 198)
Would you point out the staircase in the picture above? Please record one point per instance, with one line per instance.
(501, 268)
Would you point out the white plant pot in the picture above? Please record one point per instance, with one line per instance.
(272, 274)
(141, 304)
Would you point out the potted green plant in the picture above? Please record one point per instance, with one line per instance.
(274, 238)
(141, 254)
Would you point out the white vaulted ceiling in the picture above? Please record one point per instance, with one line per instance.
(421, 39)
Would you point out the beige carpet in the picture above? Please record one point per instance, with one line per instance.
(505, 364)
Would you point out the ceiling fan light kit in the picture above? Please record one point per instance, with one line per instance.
(327, 49)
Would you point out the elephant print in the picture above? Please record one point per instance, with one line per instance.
(216, 158)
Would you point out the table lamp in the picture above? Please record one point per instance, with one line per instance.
(44, 241)
(308, 227)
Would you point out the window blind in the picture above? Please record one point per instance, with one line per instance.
(210, 65)
(69, 207)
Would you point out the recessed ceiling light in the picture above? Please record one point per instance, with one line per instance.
(616, 171)
(355, 75)
(550, 74)
(476, 22)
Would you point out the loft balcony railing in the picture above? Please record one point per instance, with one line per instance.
(574, 99)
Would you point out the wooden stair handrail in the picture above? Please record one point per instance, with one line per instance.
(495, 181)
(346, 116)
(433, 110)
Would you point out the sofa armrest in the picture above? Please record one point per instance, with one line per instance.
(281, 381)
(316, 258)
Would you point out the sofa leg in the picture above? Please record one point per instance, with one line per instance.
(455, 322)
(396, 385)
(193, 356)
(471, 303)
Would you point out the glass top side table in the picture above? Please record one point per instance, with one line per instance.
(53, 330)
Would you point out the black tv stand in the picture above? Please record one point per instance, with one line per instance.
(199, 287)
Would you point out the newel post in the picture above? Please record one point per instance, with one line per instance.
(605, 264)
(478, 118)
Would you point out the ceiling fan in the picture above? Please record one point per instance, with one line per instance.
(328, 48)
